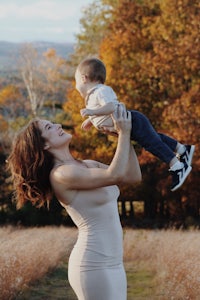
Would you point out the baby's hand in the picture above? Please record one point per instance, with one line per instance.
(86, 125)
(85, 112)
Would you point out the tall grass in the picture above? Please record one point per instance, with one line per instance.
(172, 256)
(27, 254)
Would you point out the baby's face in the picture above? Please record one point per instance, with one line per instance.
(81, 85)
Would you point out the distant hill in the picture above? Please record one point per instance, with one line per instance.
(9, 52)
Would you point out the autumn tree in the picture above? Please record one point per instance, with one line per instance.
(151, 51)
(152, 57)
(44, 78)
(11, 102)
(94, 24)
(39, 91)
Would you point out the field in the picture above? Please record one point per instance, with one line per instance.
(159, 264)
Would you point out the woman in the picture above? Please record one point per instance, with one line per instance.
(41, 164)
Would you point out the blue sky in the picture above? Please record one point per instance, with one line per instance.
(40, 20)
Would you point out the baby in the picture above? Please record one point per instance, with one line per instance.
(101, 101)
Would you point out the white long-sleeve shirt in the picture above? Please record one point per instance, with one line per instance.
(98, 96)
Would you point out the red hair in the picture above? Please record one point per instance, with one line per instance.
(30, 166)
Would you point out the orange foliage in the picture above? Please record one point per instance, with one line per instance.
(9, 94)
(3, 124)
(153, 62)
(151, 51)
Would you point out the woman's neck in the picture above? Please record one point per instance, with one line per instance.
(62, 157)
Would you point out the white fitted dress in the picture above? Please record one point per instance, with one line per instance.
(96, 270)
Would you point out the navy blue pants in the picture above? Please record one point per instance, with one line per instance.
(160, 145)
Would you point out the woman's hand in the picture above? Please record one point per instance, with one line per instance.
(122, 119)
(124, 166)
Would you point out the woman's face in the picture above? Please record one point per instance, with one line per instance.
(53, 134)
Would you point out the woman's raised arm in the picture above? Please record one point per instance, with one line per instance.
(77, 176)
(133, 173)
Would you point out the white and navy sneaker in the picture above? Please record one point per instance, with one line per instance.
(179, 176)
(187, 156)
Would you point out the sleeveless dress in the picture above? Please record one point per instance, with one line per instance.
(96, 270)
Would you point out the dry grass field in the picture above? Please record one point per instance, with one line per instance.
(173, 256)
(27, 254)
(160, 264)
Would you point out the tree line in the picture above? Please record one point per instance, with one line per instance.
(151, 51)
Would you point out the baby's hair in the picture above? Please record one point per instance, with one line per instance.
(94, 69)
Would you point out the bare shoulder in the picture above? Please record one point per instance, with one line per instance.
(63, 172)
(95, 164)
(61, 184)
(87, 174)
(71, 174)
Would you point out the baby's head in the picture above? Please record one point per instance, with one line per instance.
(94, 69)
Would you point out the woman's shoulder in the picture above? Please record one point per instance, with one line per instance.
(60, 173)
(66, 170)
(60, 185)
(94, 164)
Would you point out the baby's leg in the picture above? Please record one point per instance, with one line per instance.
(185, 152)
(169, 141)
(143, 132)
(162, 147)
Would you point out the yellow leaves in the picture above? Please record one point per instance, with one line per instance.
(9, 94)
(185, 113)
(52, 59)
(74, 102)
(50, 53)
(151, 51)
(3, 124)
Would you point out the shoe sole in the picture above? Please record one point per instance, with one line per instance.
(191, 155)
(189, 169)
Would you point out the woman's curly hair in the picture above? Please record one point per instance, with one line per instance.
(30, 166)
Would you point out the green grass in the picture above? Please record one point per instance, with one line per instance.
(141, 283)
(54, 286)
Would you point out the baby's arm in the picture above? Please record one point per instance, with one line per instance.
(106, 109)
